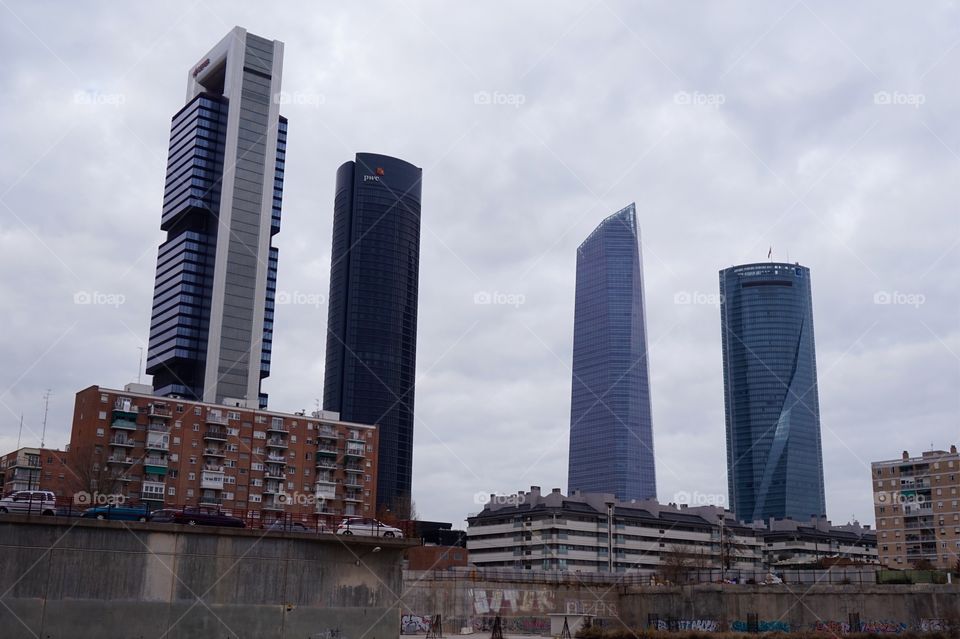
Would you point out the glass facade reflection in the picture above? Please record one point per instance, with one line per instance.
(372, 323)
(774, 456)
(611, 428)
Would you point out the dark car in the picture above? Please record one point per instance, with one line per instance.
(118, 513)
(197, 516)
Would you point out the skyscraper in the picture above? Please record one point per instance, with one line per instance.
(212, 323)
(611, 428)
(774, 458)
(372, 323)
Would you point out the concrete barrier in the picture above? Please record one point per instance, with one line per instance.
(78, 579)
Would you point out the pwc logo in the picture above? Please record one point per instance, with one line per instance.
(378, 173)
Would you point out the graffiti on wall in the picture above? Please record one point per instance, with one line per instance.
(329, 633)
(873, 627)
(703, 625)
(774, 625)
(509, 601)
(412, 624)
(514, 625)
(934, 625)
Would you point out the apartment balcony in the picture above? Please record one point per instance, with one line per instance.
(325, 491)
(157, 443)
(327, 463)
(122, 441)
(125, 408)
(276, 442)
(354, 450)
(276, 428)
(326, 451)
(272, 504)
(155, 461)
(157, 427)
(120, 459)
(217, 419)
(215, 433)
(210, 500)
(214, 452)
(121, 477)
(275, 459)
(124, 424)
(151, 491)
(354, 469)
(327, 433)
(326, 508)
(353, 496)
(274, 473)
(159, 410)
(211, 479)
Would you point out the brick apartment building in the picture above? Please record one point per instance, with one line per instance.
(917, 505)
(37, 469)
(174, 452)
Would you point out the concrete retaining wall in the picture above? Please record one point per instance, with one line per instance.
(524, 607)
(784, 607)
(77, 579)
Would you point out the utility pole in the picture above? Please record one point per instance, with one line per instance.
(46, 408)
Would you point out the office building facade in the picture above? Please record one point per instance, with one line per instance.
(772, 410)
(611, 427)
(917, 505)
(372, 322)
(212, 321)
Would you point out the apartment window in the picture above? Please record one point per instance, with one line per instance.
(289, 485)
(194, 444)
(196, 411)
(228, 496)
(256, 466)
(259, 434)
(174, 456)
(255, 499)
(176, 440)
(171, 491)
(104, 398)
(189, 492)
(293, 439)
(196, 428)
(306, 456)
(193, 460)
(178, 425)
(233, 415)
(256, 482)
(306, 472)
(260, 419)
(99, 432)
(103, 414)
(179, 408)
(173, 473)
(234, 432)
(191, 476)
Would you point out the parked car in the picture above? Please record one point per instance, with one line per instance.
(197, 516)
(118, 513)
(288, 526)
(367, 526)
(38, 502)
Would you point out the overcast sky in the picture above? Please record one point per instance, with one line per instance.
(828, 132)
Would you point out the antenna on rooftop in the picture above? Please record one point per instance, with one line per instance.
(140, 365)
(46, 408)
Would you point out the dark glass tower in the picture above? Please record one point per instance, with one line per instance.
(211, 328)
(611, 428)
(372, 323)
(774, 458)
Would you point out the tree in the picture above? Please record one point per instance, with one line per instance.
(677, 564)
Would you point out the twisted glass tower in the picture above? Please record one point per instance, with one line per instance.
(211, 329)
(611, 428)
(372, 313)
(774, 456)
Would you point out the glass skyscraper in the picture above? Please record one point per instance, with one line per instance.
(372, 322)
(211, 328)
(611, 428)
(774, 456)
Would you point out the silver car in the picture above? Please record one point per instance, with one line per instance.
(36, 502)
